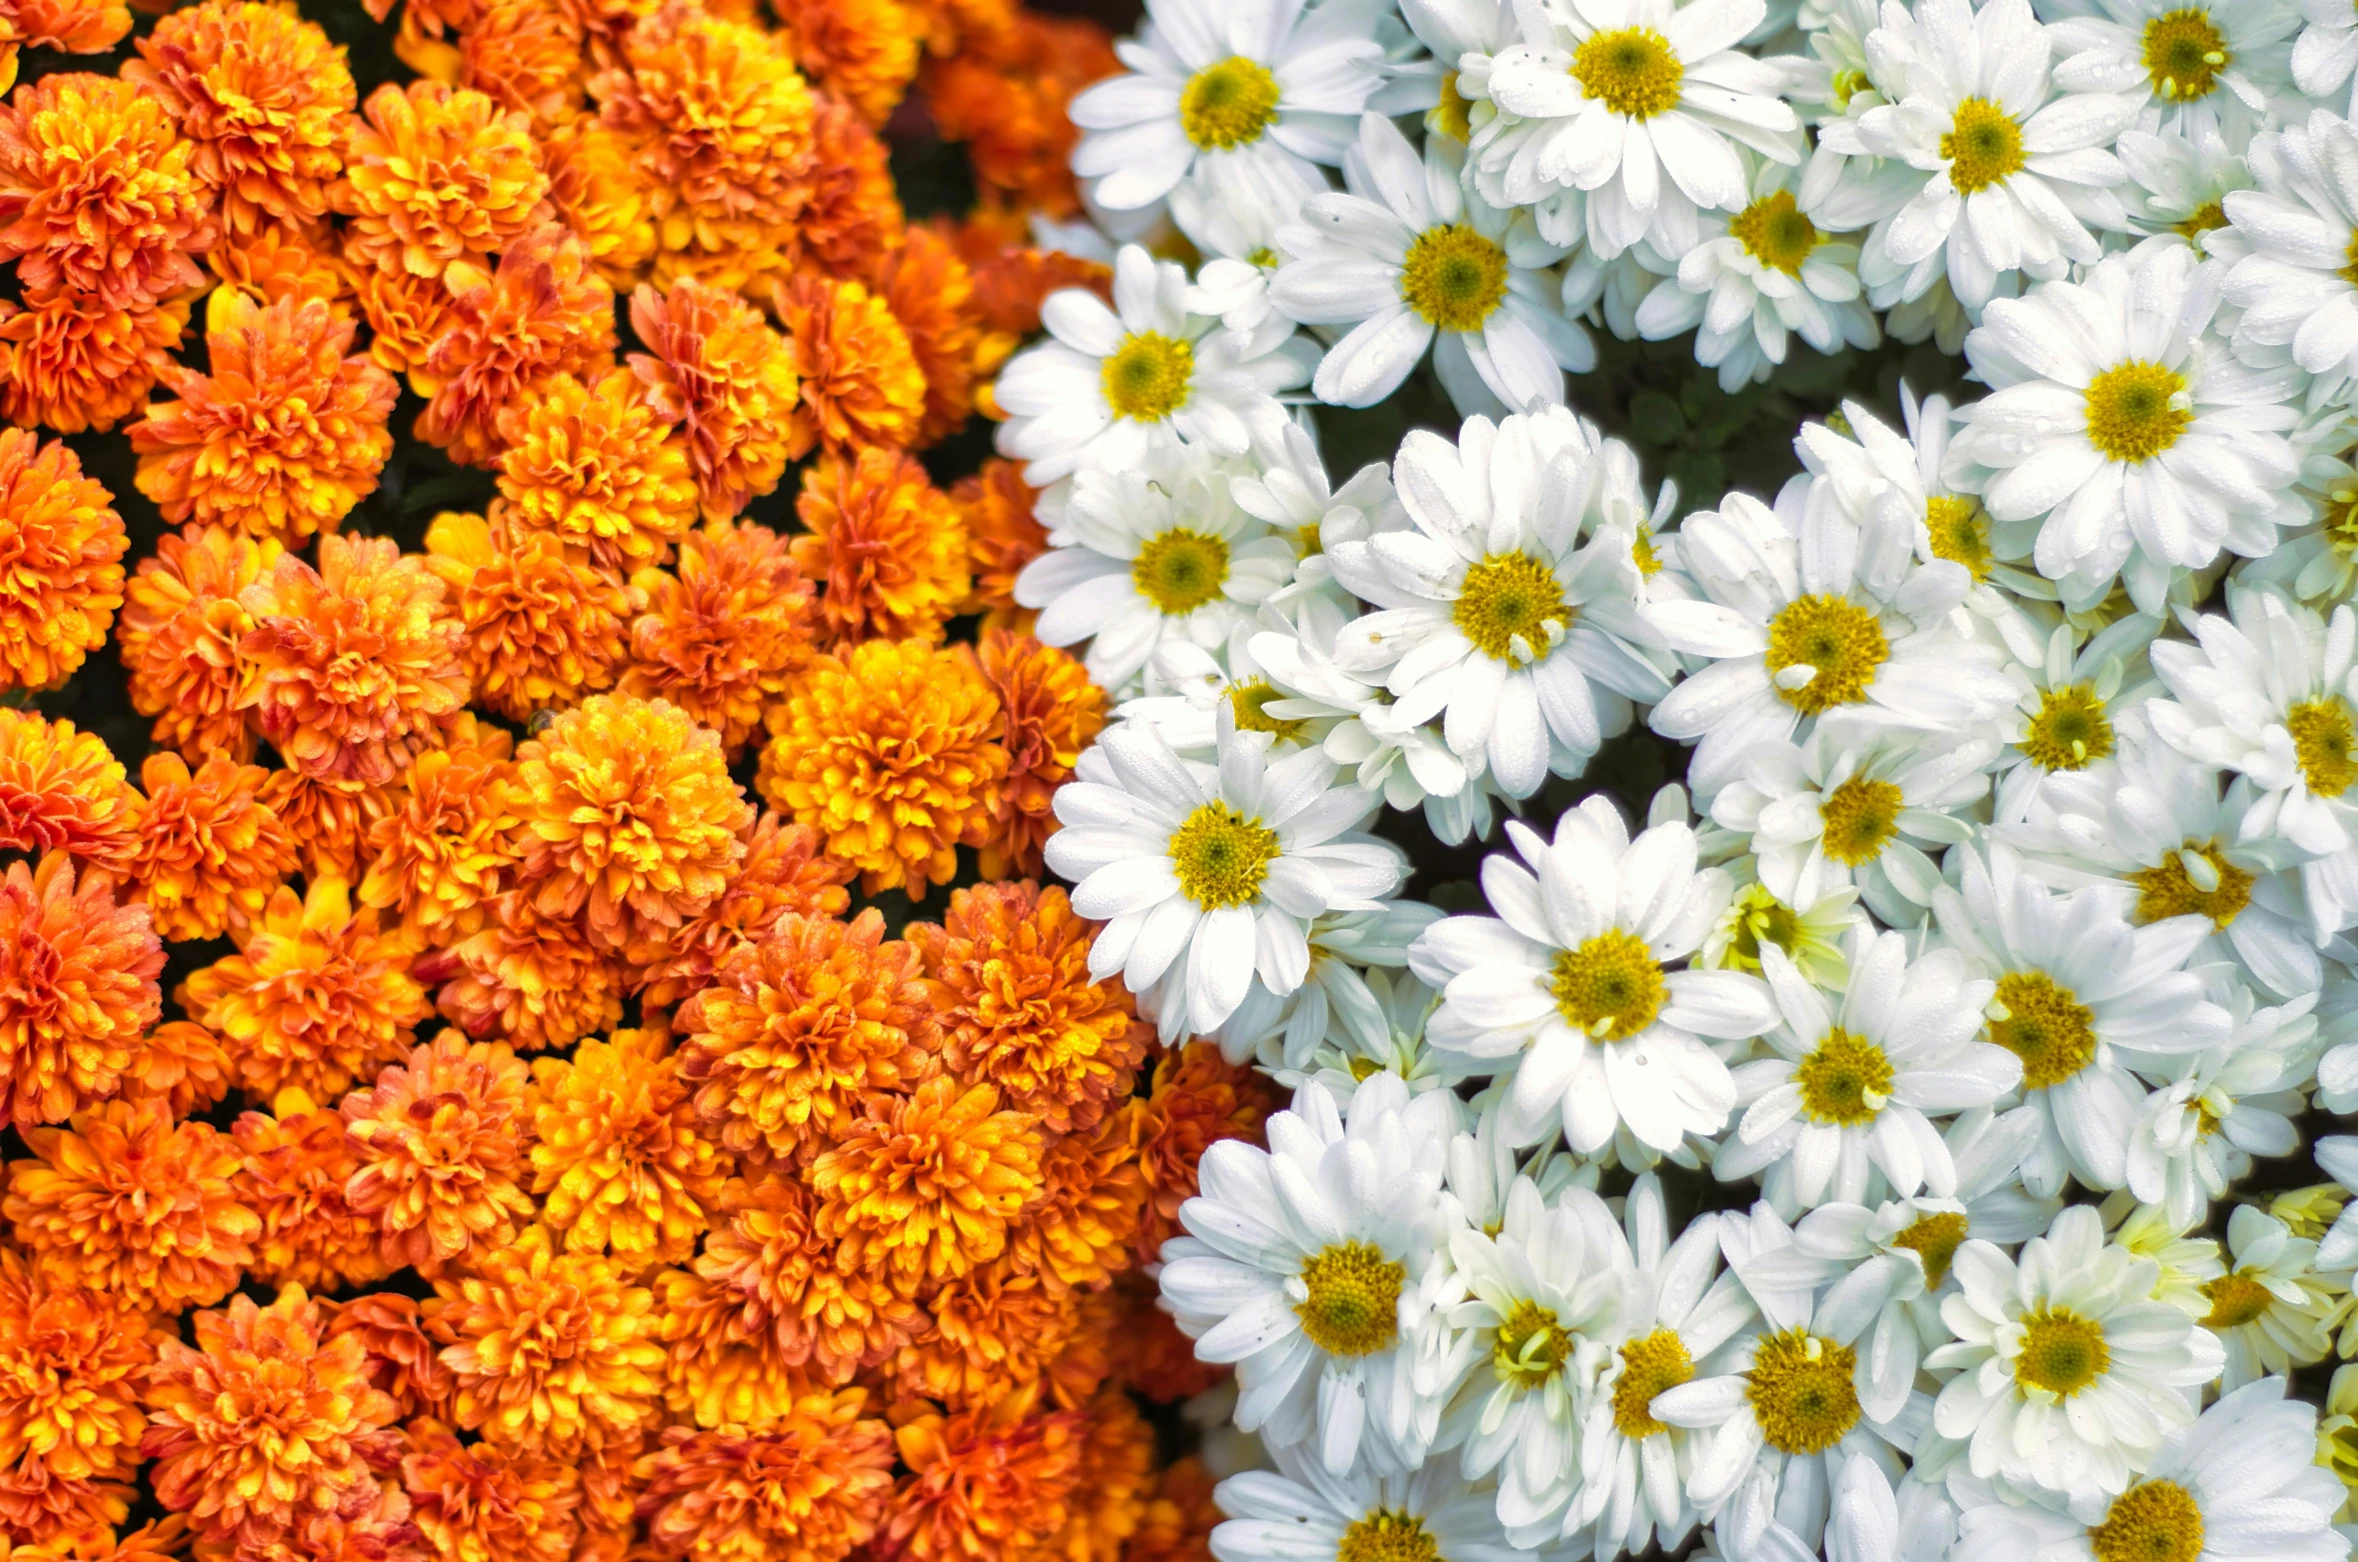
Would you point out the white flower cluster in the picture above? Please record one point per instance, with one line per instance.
(2005, 914)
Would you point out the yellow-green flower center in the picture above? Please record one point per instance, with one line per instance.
(1631, 70)
(1353, 1308)
(2155, 1521)
(1147, 376)
(1454, 278)
(2134, 412)
(2171, 889)
(1512, 608)
(1387, 1536)
(1774, 232)
(1221, 857)
(1610, 988)
(1249, 702)
(1858, 819)
(2184, 54)
(2062, 1353)
(1229, 104)
(1983, 145)
(2236, 1300)
(1841, 642)
(2044, 1025)
(1801, 1391)
(2070, 730)
(1934, 1240)
(1530, 1346)
(1453, 116)
(1960, 532)
(2323, 737)
(1642, 554)
(1845, 1082)
(2201, 220)
(1650, 1366)
(1180, 570)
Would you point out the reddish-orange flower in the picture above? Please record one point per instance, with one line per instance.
(544, 311)
(994, 1482)
(852, 215)
(77, 989)
(715, 367)
(596, 466)
(406, 315)
(62, 790)
(210, 851)
(1052, 713)
(403, 1359)
(931, 293)
(722, 633)
(96, 191)
(440, 1141)
(330, 819)
(69, 26)
(785, 874)
(70, 360)
(925, 1188)
(61, 562)
(861, 384)
(71, 1363)
(616, 1154)
(862, 51)
(527, 979)
(297, 1163)
(526, 55)
(1011, 277)
(274, 262)
(1199, 1098)
(181, 1064)
(808, 1488)
(1008, 104)
(183, 624)
(477, 1503)
(885, 546)
(1002, 536)
(543, 626)
(443, 851)
(435, 175)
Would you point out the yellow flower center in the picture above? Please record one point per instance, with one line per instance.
(1221, 856)
(2184, 54)
(2062, 1353)
(1761, 918)
(1453, 115)
(1642, 554)
(1845, 1082)
(1840, 642)
(1631, 70)
(2133, 411)
(1530, 1347)
(1610, 988)
(1934, 1240)
(1651, 1366)
(1181, 570)
(1859, 818)
(1228, 104)
(2156, 1521)
(1354, 1303)
(1453, 277)
(1960, 532)
(1983, 146)
(2171, 889)
(1386, 1536)
(1147, 377)
(2069, 730)
(1249, 701)
(1801, 1391)
(2349, 271)
(2322, 739)
(2201, 220)
(2341, 520)
(2044, 1025)
(1774, 232)
(1512, 608)
(2236, 1300)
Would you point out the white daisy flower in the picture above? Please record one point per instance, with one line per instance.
(1289, 488)
(1408, 259)
(1349, 1055)
(1233, 223)
(2120, 428)
(1404, 762)
(1223, 86)
(1299, 1263)
(1303, 1512)
(1112, 384)
(2213, 1111)
(1334, 997)
(1639, 104)
(1843, 1110)
(2296, 224)
(2186, 1263)
(2318, 561)
(2074, 688)
(2272, 1310)
(1494, 615)
(2068, 1374)
(1815, 937)
(2337, 1157)
(2219, 66)
(1571, 987)
(1208, 878)
(2325, 56)
(2179, 180)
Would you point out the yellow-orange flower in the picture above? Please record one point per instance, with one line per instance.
(443, 851)
(1198, 1099)
(526, 55)
(181, 1064)
(261, 96)
(543, 627)
(70, 360)
(440, 1141)
(809, 1488)
(478, 1503)
(862, 51)
(316, 996)
(931, 293)
(630, 818)
(77, 988)
(1079, 1231)
(284, 435)
(128, 1202)
(600, 192)
(210, 851)
(71, 1362)
(1008, 104)
(69, 26)
(994, 1482)
(925, 1188)
(298, 1160)
(616, 1156)
(266, 1422)
(1117, 1474)
(884, 545)
(798, 1030)
(406, 314)
(595, 466)
(184, 621)
(330, 819)
(785, 874)
(372, 1526)
(274, 262)
(356, 662)
(527, 979)
(403, 1359)
(61, 562)
(1019, 1010)
(544, 311)
(861, 384)
(436, 174)
(715, 367)
(1177, 1523)
(851, 217)
(96, 191)
(1052, 712)
(722, 633)
(62, 790)
(549, 1349)
(892, 755)
(993, 1330)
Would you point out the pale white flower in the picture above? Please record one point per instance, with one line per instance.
(2222, 66)
(1393, 1042)
(2325, 56)
(2211, 1112)
(1815, 937)
(2272, 1310)
(1233, 223)
(1334, 998)
(1304, 1512)
(2296, 224)
(2075, 686)
(1288, 487)
(2179, 180)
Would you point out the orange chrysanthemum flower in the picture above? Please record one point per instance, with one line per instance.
(891, 753)
(330, 819)
(403, 1359)
(62, 790)
(723, 632)
(77, 989)
(785, 874)
(544, 311)
(810, 1487)
(526, 979)
(715, 367)
(406, 314)
(1008, 104)
(69, 26)
(181, 1064)
(266, 1422)
(925, 1188)
(275, 262)
(1002, 536)
(1078, 1232)
(543, 627)
(1199, 1098)
(71, 1363)
(96, 191)
(184, 622)
(861, 384)
(1018, 1007)
(1086, 1364)
(63, 543)
(1116, 1476)
(211, 851)
(724, 1364)
(356, 662)
(1155, 1359)
(1012, 278)
(477, 1503)
(375, 1529)
(128, 1202)
(298, 1161)
(852, 216)
(797, 1031)
(316, 996)
(1177, 1523)
(862, 51)
(595, 466)
(600, 192)
(993, 1330)
(70, 361)
(994, 1482)
(616, 1156)
(526, 55)
(931, 293)
(262, 97)
(549, 1349)
(443, 852)
(885, 546)
(284, 435)
(440, 1141)
(1053, 712)
(435, 175)
(630, 819)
